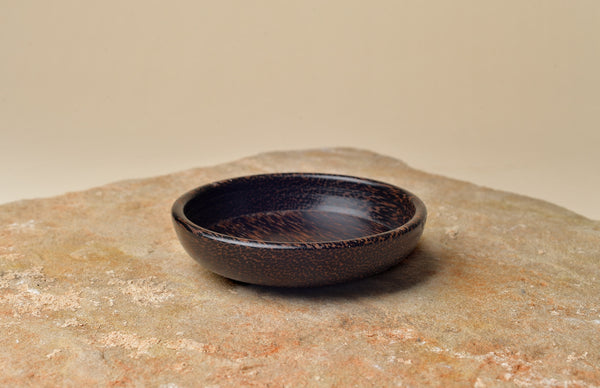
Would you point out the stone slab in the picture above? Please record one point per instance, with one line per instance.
(503, 290)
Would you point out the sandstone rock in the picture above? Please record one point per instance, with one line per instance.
(95, 289)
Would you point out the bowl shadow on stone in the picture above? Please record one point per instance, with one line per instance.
(415, 269)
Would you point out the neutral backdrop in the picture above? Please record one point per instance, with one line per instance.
(501, 93)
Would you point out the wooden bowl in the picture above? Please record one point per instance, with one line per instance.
(298, 229)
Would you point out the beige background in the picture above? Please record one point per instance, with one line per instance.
(504, 94)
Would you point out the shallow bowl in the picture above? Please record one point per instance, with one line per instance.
(298, 229)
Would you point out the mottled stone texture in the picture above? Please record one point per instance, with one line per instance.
(95, 289)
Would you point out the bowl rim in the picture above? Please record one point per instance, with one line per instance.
(178, 215)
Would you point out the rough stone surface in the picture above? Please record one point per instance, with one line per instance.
(96, 290)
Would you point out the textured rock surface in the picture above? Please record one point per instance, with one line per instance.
(95, 289)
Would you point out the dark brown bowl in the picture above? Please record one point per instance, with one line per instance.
(298, 229)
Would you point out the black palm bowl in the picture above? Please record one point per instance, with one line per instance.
(298, 229)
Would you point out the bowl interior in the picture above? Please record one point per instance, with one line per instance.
(299, 208)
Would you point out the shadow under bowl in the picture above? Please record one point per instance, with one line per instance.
(298, 229)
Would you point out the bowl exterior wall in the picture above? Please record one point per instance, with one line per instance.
(295, 265)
